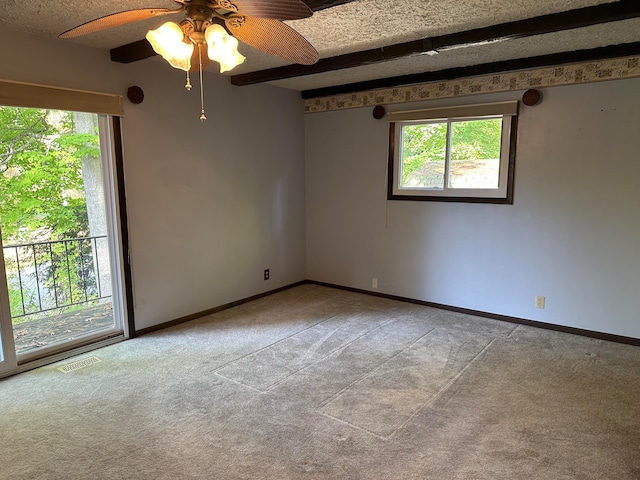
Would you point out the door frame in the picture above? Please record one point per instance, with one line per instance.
(113, 182)
(8, 361)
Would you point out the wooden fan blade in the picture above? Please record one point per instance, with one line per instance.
(274, 37)
(277, 9)
(117, 19)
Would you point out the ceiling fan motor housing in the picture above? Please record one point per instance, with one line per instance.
(200, 14)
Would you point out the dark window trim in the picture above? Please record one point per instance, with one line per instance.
(508, 200)
(124, 225)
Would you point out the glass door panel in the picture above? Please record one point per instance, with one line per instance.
(56, 232)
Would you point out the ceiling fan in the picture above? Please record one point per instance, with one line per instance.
(207, 26)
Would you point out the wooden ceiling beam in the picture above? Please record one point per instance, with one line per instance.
(563, 58)
(132, 52)
(141, 49)
(571, 19)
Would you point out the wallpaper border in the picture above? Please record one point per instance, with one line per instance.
(570, 74)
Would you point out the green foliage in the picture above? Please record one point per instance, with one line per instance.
(16, 297)
(476, 139)
(42, 198)
(422, 143)
(76, 281)
(66, 277)
(41, 188)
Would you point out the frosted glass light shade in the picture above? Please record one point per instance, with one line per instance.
(167, 41)
(222, 47)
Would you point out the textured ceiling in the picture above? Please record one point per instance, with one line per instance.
(359, 25)
(566, 41)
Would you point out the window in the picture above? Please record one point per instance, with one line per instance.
(459, 154)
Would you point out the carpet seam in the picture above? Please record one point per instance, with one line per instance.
(274, 385)
(324, 403)
(513, 331)
(339, 420)
(224, 365)
(216, 370)
(238, 383)
(443, 389)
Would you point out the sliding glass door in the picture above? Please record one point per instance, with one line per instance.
(7, 350)
(60, 272)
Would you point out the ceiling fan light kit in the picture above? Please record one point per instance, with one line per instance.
(255, 22)
(223, 48)
(167, 41)
(176, 47)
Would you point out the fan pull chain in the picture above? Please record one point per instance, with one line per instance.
(188, 84)
(203, 117)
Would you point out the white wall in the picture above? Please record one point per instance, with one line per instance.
(210, 206)
(572, 234)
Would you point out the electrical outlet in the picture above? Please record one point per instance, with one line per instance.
(539, 302)
(266, 274)
(374, 283)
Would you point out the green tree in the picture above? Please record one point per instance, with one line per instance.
(478, 140)
(41, 188)
(422, 143)
(42, 198)
(426, 142)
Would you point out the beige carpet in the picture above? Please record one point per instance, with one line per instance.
(317, 383)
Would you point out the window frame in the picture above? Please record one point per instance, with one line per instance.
(502, 195)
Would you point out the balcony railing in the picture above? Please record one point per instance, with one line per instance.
(47, 276)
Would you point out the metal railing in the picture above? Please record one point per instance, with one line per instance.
(46, 276)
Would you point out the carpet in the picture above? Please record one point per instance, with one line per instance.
(318, 383)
